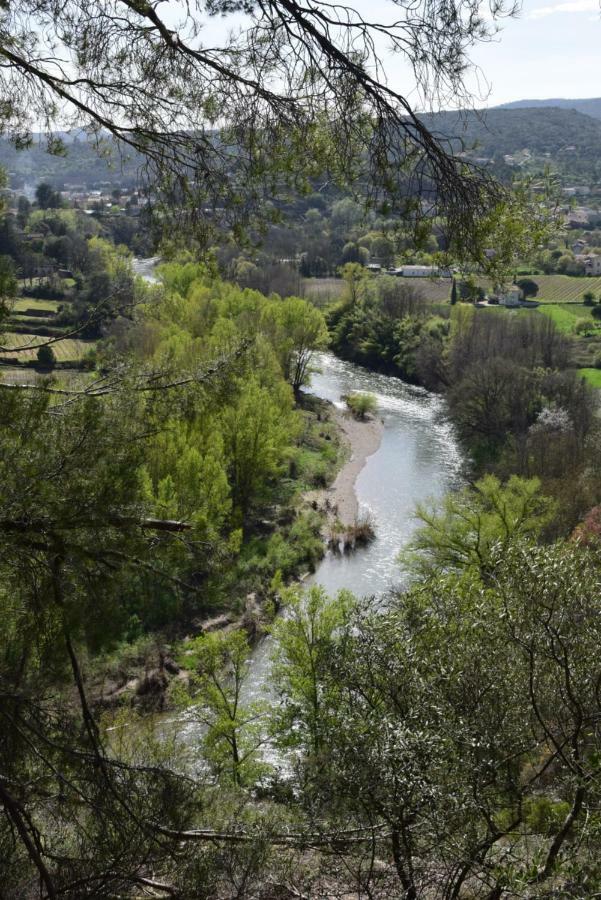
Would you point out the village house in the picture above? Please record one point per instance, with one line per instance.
(591, 263)
(510, 296)
(421, 272)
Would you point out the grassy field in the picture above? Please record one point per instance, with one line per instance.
(68, 350)
(322, 291)
(23, 303)
(593, 376)
(567, 315)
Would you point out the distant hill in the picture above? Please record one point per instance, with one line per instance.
(82, 162)
(566, 136)
(563, 134)
(590, 106)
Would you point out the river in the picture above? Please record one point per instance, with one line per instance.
(418, 459)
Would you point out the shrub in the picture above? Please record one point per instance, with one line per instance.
(528, 286)
(363, 531)
(46, 357)
(361, 405)
(596, 312)
(588, 298)
(581, 326)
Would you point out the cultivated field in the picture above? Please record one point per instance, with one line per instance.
(562, 289)
(23, 303)
(566, 316)
(565, 289)
(68, 350)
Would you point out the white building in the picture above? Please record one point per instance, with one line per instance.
(420, 272)
(510, 296)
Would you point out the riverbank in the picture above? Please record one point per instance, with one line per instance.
(362, 440)
(287, 540)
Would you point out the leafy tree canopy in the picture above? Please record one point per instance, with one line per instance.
(292, 93)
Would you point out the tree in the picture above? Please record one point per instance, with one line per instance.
(453, 293)
(234, 731)
(256, 428)
(23, 211)
(298, 330)
(305, 638)
(46, 357)
(8, 284)
(462, 732)
(529, 287)
(212, 125)
(462, 535)
(596, 312)
(46, 197)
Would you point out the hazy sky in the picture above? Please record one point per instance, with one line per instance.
(553, 49)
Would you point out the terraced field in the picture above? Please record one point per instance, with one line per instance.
(68, 350)
(23, 303)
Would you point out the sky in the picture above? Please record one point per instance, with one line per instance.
(552, 49)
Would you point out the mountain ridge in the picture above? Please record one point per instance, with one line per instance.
(589, 106)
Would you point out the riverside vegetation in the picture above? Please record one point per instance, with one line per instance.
(443, 744)
(440, 743)
(519, 406)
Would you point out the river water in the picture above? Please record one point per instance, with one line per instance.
(418, 459)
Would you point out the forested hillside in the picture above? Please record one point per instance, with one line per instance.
(494, 133)
(589, 106)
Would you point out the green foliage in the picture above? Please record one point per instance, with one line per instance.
(234, 730)
(296, 330)
(256, 431)
(46, 197)
(46, 357)
(437, 718)
(466, 531)
(305, 639)
(361, 405)
(388, 325)
(543, 815)
(591, 376)
(529, 287)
